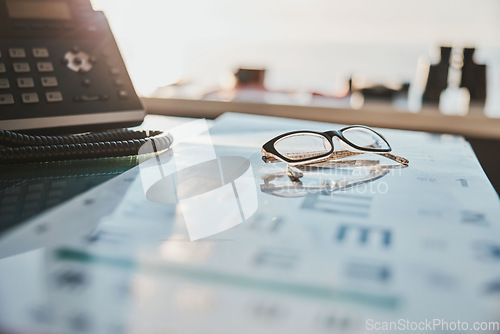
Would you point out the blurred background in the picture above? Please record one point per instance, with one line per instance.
(345, 54)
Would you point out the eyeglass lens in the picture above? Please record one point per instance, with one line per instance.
(365, 138)
(303, 145)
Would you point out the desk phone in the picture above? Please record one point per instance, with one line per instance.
(60, 67)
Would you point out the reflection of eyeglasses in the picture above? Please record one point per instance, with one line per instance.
(283, 184)
(307, 147)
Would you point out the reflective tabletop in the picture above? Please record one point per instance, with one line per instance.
(207, 237)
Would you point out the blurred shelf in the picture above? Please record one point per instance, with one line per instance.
(474, 125)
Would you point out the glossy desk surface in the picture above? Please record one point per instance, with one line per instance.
(207, 238)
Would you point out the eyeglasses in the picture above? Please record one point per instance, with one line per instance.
(309, 147)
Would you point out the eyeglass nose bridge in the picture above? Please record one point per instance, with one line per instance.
(340, 139)
(333, 133)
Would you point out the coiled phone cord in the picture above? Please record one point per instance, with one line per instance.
(18, 147)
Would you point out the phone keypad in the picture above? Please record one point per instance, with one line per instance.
(25, 82)
(20, 65)
(29, 76)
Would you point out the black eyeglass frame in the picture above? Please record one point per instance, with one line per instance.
(268, 148)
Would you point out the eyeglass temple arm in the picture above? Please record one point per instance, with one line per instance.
(337, 155)
(304, 155)
(345, 154)
(396, 158)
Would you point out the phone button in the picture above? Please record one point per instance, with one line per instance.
(2, 68)
(123, 94)
(77, 61)
(86, 98)
(114, 71)
(21, 67)
(30, 98)
(6, 99)
(40, 53)
(91, 98)
(54, 96)
(4, 84)
(49, 81)
(17, 53)
(45, 67)
(86, 82)
(25, 83)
